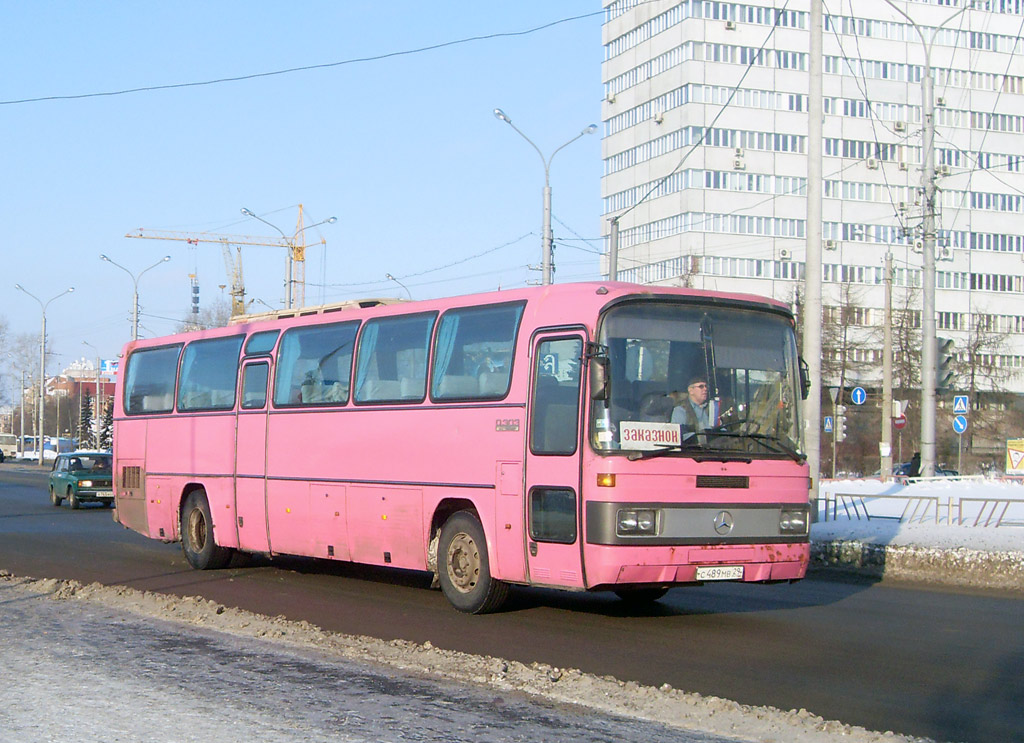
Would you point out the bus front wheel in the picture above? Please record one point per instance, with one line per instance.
(197, 542)
(463, 567)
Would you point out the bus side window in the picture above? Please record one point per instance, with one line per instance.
(254, 386)
(149, 380)
(314, 365)
(554, 427)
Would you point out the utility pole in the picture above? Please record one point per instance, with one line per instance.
(613, 250)
(928, 350)
(885, 442)
(812, 265)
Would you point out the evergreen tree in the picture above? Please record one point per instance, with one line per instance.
(85, 428)
(107, 429)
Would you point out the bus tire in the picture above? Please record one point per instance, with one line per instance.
(55, 500)
(197, 541)
(463, 567)
(640, 596)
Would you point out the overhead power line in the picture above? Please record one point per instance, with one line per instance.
(304, 68)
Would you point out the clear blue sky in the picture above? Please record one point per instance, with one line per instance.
(405, 151)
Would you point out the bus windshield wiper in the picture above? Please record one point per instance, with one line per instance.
(772, 443)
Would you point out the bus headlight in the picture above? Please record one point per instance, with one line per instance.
(636, 522)
(793, 521)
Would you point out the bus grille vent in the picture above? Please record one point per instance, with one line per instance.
(723, 481)
(131, 477)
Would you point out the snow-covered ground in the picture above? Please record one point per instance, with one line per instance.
(956, 532)
(971, 500)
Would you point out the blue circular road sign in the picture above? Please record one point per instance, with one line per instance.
(858, 396)
(960, 423)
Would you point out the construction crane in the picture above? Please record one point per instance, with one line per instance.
(295, 245)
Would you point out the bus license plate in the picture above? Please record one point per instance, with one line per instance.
(720, 572)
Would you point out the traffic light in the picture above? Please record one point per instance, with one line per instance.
(840, 424)
(943, 364)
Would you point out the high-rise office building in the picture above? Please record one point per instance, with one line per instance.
(705, 157)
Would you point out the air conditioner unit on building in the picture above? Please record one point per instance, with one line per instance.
(738, 164)
(872, 163)
(730, 25)
(610, 98)
(903, 206)
(785, 254)
(943, 169)
(940, 101)
(830, 244)
(903, 165)
(739, 152)
(900, 126)
(659, 117)
(918, 246)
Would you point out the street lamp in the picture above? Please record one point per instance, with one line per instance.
(135, 295)
(546, 232)
(42, 367)
(293, 249)
(389, 277)
(928, 350)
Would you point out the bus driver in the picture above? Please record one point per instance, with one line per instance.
(692, 410)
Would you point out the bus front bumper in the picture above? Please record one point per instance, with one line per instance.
(758, 563)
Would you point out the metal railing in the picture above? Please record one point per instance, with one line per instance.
(951, 510)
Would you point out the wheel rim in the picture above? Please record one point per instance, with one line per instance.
(197, 529)
(463, 563)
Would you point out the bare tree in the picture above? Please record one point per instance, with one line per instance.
(215, 315)
(977, 372)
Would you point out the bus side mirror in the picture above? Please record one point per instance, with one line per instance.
(805, 379)
(597, 356)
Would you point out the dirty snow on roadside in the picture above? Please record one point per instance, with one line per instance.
(124, 665)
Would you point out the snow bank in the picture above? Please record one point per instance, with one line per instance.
(929, 531)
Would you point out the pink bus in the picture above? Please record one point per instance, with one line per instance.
(589, 437)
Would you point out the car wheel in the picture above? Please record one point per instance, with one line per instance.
(73, 499)
(55, 499)
(197, 537)
(464, 569)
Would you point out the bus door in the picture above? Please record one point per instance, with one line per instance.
(553, 462)
(251, 458)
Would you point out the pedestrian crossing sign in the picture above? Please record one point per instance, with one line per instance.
(1015, 457)
(960, 405)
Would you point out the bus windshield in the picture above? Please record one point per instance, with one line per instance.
(698, 381)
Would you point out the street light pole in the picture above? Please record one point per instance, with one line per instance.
(42, 368)
(389, 277)
(928, 349)
(546, 226)
(290, 242)
(135, 291)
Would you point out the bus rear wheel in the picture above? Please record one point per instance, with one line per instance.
(464, 569)
(197, 541)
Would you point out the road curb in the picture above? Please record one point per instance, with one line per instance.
(960, 567)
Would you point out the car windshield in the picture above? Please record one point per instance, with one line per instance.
(100, 463)
(696, 381)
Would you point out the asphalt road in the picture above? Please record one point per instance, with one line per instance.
(924, 662)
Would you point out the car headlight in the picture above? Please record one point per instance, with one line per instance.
(638, 521)
(85, 483)
(793, 521)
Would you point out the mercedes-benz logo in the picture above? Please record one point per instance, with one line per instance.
(723, 523)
